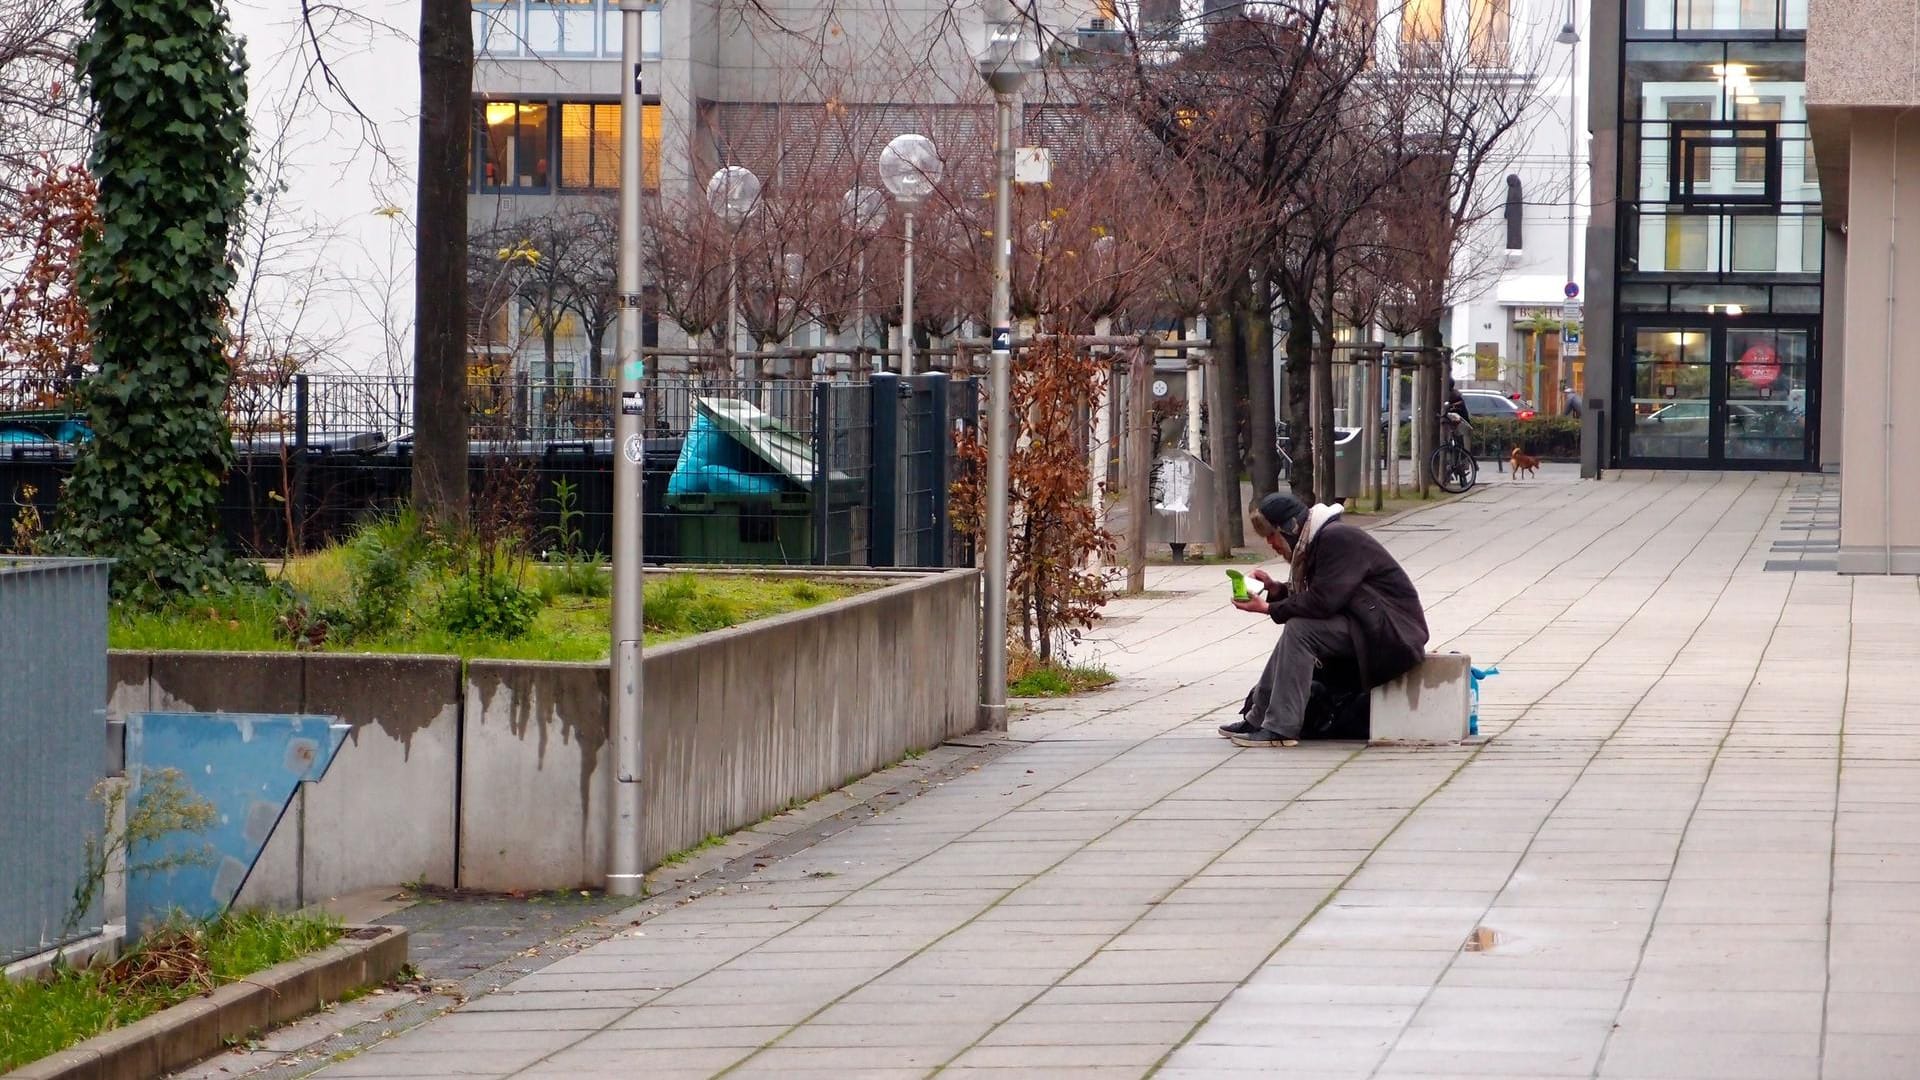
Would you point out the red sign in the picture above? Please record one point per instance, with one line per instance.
(1759, 365)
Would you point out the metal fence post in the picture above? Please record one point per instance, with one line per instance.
(297, 496)
(938, 444)
(822, 471)
(884, 492)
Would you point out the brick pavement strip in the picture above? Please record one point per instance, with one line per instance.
(1685, 852)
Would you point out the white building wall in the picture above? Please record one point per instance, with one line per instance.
(1495, 288)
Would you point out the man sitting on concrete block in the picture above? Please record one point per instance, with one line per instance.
(1348, 600)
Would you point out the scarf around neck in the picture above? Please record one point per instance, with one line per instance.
(1317, 518)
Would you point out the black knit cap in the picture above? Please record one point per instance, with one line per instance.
(1283, 512)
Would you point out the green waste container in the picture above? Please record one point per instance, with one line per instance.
(750, 527)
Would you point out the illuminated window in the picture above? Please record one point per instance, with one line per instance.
(513, 142)
(589, 146)
(1423, 31)
(512, 138)
(1489, 27)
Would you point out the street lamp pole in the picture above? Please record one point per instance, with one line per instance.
(906, 298)
(909, 167)
(1570, 37)
(866, 209)
(733, 194)
(626, 873)
(1004, 66)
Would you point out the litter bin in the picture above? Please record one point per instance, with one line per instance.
(743, 527)
(745, 489)
(1180, 502)
(1346, 463)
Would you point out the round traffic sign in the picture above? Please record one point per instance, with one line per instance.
(1573, 289)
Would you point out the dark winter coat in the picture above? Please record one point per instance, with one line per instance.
(1347, 573)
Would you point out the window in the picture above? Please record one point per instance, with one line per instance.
(1489, 26)
(1423, 31)
(513, 145)
(1751, 166)
(560, 27)
(1758, 14)
(589, 146)
(1756, 244)
(1813, 239)
(1686, 242)
(1756, 158)
(512, 137)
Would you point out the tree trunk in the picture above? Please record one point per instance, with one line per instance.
(1222, 433)
(1323, 434)
(1300, 396)
(440, 278)
(1260, 389)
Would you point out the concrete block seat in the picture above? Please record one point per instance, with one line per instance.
(1426, 706)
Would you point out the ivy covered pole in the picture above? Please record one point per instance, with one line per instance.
(168, 83)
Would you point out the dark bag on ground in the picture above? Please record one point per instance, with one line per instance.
(1337, 704)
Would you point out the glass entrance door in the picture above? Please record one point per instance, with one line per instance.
(1716, 391)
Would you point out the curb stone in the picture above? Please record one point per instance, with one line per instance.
(205, 1025)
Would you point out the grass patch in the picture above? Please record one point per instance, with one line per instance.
(1055, 679)
(571, 623)
(678, 857)
(172, 964)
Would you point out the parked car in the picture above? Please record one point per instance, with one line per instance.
(1690, 418)
(1485, 403)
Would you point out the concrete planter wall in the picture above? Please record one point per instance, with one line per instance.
(497, 778)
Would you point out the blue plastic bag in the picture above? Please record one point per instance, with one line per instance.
(1476, 674)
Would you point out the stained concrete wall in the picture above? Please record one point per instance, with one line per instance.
(739, 723)
(384, 813)
(498, 780)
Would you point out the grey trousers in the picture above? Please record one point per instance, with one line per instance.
(1279, 701)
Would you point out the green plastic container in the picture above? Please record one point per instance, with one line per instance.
(1239, 585)
(775, 527)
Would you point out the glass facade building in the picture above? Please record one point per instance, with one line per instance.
(1710, 294)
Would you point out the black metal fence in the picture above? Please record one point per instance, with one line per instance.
(793, 472)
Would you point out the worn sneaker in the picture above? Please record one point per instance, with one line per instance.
(1263, 740)
(1238, 727)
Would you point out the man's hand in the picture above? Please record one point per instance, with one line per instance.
(1262, 577)
(1256, 604)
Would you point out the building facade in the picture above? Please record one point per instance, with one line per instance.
(725, 82)
(1514, 326)
(1863, 92)
(1707, 310)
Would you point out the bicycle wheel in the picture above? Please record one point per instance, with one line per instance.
(1453, 468)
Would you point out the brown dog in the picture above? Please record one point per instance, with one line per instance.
(1524, 462)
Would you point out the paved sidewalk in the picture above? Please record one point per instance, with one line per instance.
(1685, 853)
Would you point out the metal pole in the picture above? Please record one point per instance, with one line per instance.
(733, 313)
(626, 871)
(1196, 360)
(1394, 394)
(1573, 152)
(993, 706)
(906, 304)
(860, 313)
(1376, 431)
(1139, 468)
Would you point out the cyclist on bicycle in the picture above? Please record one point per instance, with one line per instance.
(1455, 415)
